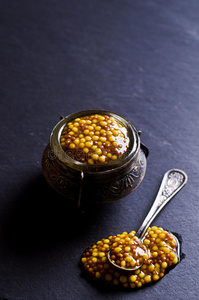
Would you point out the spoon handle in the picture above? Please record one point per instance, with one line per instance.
(171, 184)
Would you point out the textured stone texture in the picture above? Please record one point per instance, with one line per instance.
(136, 58)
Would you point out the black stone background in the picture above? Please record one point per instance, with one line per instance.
(136, 58)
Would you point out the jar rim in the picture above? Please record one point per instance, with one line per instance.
(59, 153)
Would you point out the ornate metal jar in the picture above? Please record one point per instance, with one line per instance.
(86, 183)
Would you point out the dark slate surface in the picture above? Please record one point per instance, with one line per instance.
(136, 58)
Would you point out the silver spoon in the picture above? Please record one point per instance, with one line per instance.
(171, 184)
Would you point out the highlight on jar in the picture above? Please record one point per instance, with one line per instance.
(94, 139)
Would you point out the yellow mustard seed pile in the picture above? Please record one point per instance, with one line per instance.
(161, 246)
(128, 252)
(94, 139)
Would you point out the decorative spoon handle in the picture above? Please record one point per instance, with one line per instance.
(171, 184)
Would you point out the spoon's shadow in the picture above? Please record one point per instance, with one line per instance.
(39, 218)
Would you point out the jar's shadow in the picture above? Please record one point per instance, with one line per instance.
(41, 218)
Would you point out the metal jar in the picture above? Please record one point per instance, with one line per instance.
(84, 183)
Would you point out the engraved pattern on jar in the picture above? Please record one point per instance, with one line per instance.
(126, 184)
(58, 175)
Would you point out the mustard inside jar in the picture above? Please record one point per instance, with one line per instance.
(94, 139)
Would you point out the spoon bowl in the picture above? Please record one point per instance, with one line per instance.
(119, 267)
(171, 184)
(139, 266)
(177, 247)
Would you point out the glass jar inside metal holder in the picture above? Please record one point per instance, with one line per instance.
(94, 183)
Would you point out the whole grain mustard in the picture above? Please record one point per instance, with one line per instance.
(94, 139)
(160, 244)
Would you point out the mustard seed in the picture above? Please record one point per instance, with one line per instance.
(84, 133)
(96, 265)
